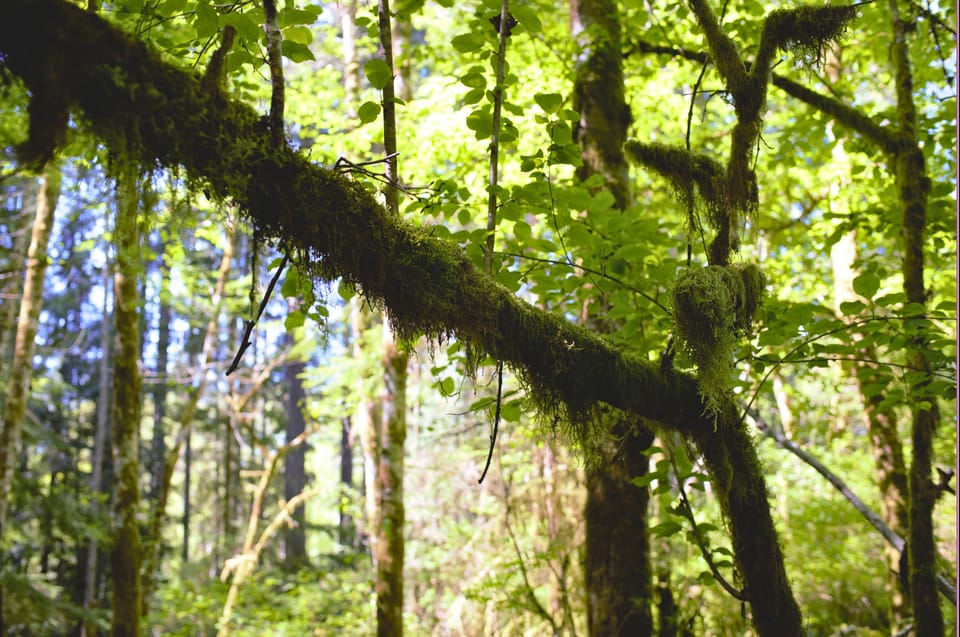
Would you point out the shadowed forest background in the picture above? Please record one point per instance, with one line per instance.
(478, 318)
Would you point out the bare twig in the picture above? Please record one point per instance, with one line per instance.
(250, 324)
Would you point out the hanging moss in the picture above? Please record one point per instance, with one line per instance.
(684, 169)
(806, 29)
(713, 307)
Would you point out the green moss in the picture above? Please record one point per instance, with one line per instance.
(713, 307)
(806, 29)
(684, 170)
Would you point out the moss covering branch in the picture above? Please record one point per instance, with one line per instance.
(805, 29)
(847, 115)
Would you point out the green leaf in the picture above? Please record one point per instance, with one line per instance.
(296, 52)
(866, 284)
(473, 95)
(447, 386)
(207, 22)
(288, 17)
(291, 284)
(527, 17)
(294, 319)
(852, 308)
(377, 72)
(643, 481)
(549, 102)
(480, 122)
(665, 529)
(244, 24)
(368, 112)
(511, 411)
(303, 35)
(467, 42)
(171, 7)
(521, 230)
(346, 291)
(473, 80)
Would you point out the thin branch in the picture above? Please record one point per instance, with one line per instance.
(250, 324)
(946, 589)
(700, 541)
(275, 61)
(496, 422)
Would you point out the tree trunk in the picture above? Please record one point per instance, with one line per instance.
(617, 556)
(21, 367)
(158, 447)
(617, 569)
(346, 527)
(125, 552)
(913, 186)
(88, 628)
(11, 289)
(389, 547)
(889, 468)
(294, 475)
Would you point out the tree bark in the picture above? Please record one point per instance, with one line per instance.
(913, 186)
(21, 367)
(158, 447)
(617, 556)
(125, 552)
(345, 525)
(294, 475)
(617, 568)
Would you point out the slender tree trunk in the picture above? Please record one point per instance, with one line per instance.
(617, 557)
(125, 552)
(88, 628)
(21, 367)
(11, 289)
(889, 468)
(345, 524)
(158, 448)
(913, 186)
(185, 521)
(389, 548)
(294, 475)
(389, 430)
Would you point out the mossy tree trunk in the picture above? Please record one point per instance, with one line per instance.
(21, 367)
(389, 548)
(913, 186)
(125, 556)
(294, 472)
(617, 557)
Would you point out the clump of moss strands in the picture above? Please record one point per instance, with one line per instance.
(713, 307)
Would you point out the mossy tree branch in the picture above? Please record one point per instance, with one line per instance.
(848, 116)
(723, 50)
(335, 228)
